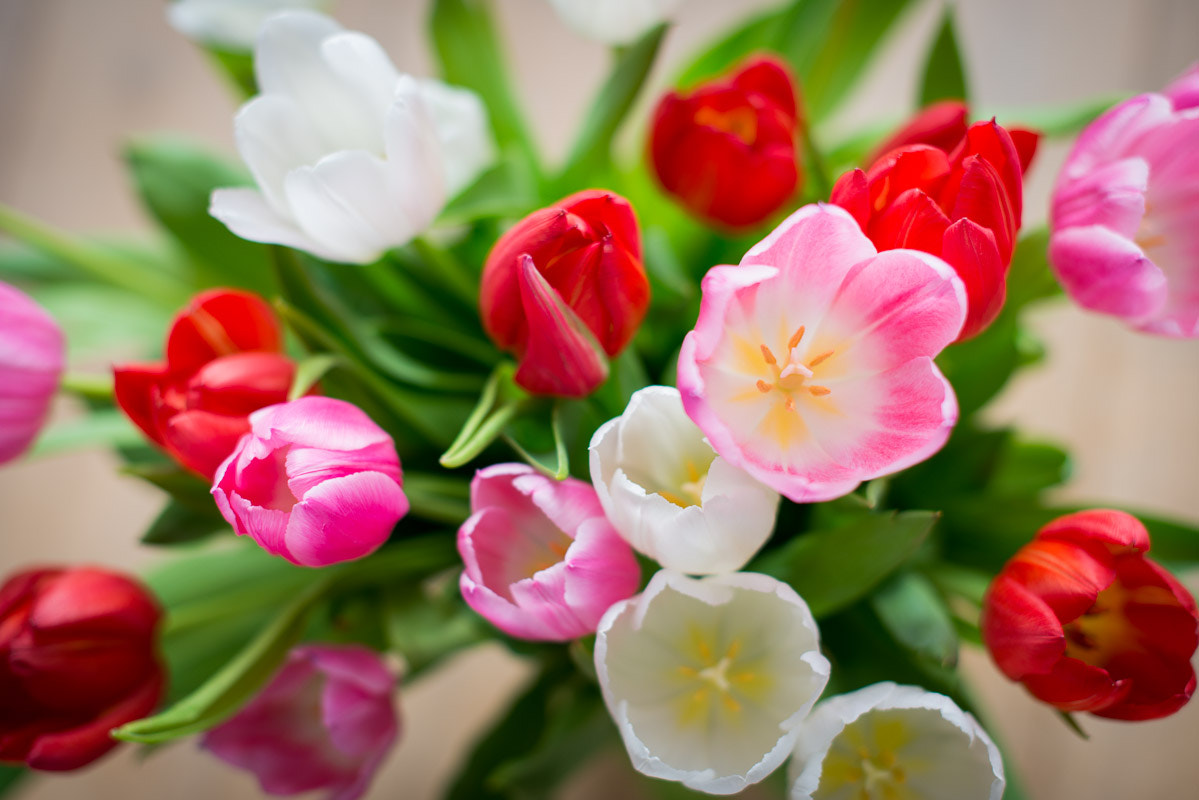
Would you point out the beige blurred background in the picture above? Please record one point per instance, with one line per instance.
(78, 77)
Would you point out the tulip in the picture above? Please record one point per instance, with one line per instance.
(614, 22)
(889, 741)
(228, 24)
(77, 659)
(708, 679)
(1125, 214)
(726, 151)
(325, 722)
(223, 361)
(963, 206)
(1087, 622)
(668, 493)
(563, 288)
(350, 156)
(32, 353)
(314, 481)
(944, 125)
(542, 561)
(811, 364)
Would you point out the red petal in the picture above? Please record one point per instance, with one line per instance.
(912, 221)
(201, 440)
(240, 384)
(991, 142)
(1067, 577)
(1118, 531)
(1025, 140)
(970, 249)
(770, 78)
(915, 167)
(852, 193)
(220, 322)
(941, 125)
(562, 357)
(133, 387)
(606, 213)
(1074, 686)
(976, 192)
(1022, 633)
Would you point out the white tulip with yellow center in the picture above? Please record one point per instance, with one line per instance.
(229, 24)
(890, 742)
(670, 496)
(708, 679)
(614, 22)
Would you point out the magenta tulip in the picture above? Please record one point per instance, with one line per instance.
(315, 481)
(542, 560)
(31, 362)
(325, 722)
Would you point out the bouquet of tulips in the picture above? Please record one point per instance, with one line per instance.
(692, 427)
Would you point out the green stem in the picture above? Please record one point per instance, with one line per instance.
(119, 272)
(89, 387)
(450, 271)
(817, 168)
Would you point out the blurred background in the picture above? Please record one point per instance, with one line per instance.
(79, 78)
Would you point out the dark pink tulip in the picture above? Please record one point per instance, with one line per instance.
(31, 362)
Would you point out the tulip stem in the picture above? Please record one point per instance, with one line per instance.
(817, 169)
(89, 387)
(451, 271)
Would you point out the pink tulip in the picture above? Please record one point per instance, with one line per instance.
(811, 364)
(542, 560)
(326, 721)
(1126, 212)
(315, 481)
(31, 361)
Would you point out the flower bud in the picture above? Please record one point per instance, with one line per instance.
(727, 150)
(1087, 623)
(31, 362)
(315, 481)
(223, 361)
(542, 561)
(581, 294)
(77, 659)
(325, 722)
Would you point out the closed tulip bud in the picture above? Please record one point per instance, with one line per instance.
(77, 659)
(223, 361)
(31, 362)
(1086, 622)
(563, 289)
(315, 481)
(325, 722)
(727, 149)
(963, 205)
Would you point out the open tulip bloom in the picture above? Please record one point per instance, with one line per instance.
(639, 417)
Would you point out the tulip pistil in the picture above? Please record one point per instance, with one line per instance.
(793, 376)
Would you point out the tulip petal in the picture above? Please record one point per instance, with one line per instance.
(1105, 272)
(970, 249)
(245, 213)
(1074, 686)
(1118, 531)
(460, 120)
(977, 193)
(1112, 195)
(941, 125)
(132, 386)
(1184, 91)
(852, 192)
(1021, 631)
(913, 221)
(273, 137)
(344, 518)
(330, 199)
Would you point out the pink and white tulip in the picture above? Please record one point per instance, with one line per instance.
(668, 493)
(32, 352)
(315, 481)
(811, 363)
(542, 560)
(894, 741)
(1126, 212)
(708, 679)
(325, 722)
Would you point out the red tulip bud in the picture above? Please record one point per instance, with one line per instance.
(564, 287)
(1087, 623)
(77, 659)
(727, 150)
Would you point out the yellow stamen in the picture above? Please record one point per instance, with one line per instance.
(769, 356)
(819, 358)
(819, 391)
(763, 386)
(795, 338)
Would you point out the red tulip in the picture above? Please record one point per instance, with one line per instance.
(963, 206)
(77, 659)
(223, 361)
(944, 125)
(727, 149)
(1088, 623)
(564, 287)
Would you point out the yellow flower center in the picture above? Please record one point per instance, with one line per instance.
(864, 758)
(691, 490)
(792, 375)
(721, 682)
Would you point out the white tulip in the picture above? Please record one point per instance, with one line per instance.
(888, 741)
(350, 156)
(670, 496)
(614, 22)
(707, 679)
(229, 24)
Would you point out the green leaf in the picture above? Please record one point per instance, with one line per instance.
(757, 33)
(174, 179)
(1029, 278)
(505, 190)
(592, 149)
(427, 622)
(184, 487)
(537, 439)
(99, 320)
(438, 497)
(1028, 468)
(944, 76)
(915, 615)
(1073, 725)
(815, 563)
(108, 428)
(468, 52)
(498, 404)
(12, 778)
(308, 374)
(180, 524)
(226, 691)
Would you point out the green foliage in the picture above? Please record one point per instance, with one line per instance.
(944, 76)
(180, 524)
(11, 778)
(912, 611)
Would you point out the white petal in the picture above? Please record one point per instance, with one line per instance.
(344, 204)
(246, 213)
(613, 21)
(463, 130)
(415, 174)
(231, 24)
(274, 137)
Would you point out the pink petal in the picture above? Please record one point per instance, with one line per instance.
(322, 422)
(1184, 91)
(1105, 272)
(1112, 195)
(344, 518)
(1114, 134)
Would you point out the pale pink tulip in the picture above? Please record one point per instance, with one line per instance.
(326, 721)
(811, 363)
(315, 481)
(31, 362)
(1126, 212)
(542, 560)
